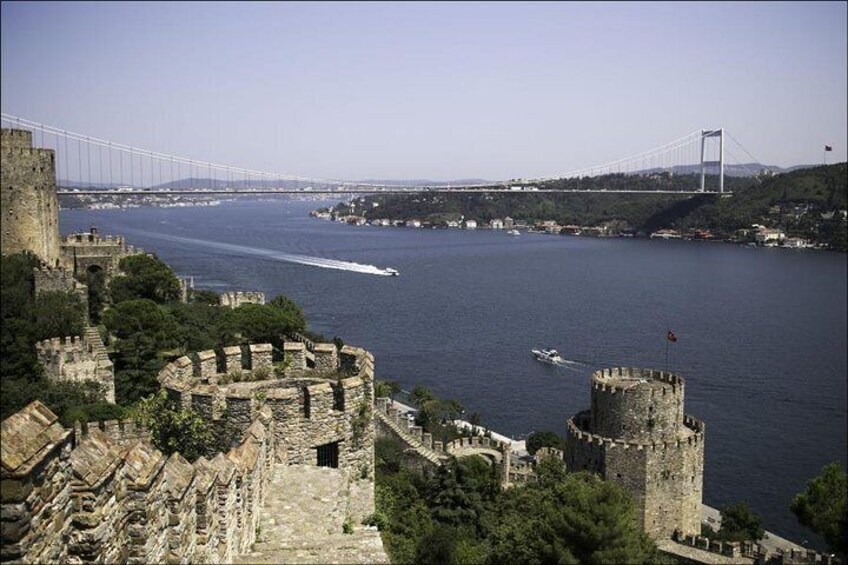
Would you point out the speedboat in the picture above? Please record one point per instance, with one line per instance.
(513, 232)
(391, 272)
(548, 356)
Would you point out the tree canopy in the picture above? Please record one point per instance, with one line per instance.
(144, 276)
(823, 506)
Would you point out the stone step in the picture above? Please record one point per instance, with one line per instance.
(302, 521)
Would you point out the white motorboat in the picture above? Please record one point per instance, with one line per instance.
(513, 232)
(550, 356)
(391, 272)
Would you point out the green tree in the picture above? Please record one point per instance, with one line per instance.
(438, 546)
(454, 501)
(543, 439)
(386, 389)
(740, 523)
(203, 326)
(145, 276)
(98, 294)
(822, 506)
(581, 519)
(58, 314)
(295, 319)
(209, 297)
(143, 329)
(260, 323)
(174, 429)
(420, 395)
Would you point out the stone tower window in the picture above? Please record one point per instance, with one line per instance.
(328, 455)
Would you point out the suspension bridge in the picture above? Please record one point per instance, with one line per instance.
(87, 165)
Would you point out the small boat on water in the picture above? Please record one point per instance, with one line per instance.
(550, 356)
(513, 232)
(391, 272)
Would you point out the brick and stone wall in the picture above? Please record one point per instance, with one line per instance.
(74, 496)
(311, 407)
(28, 203)
(636, 435)
(234, 299)
(81, 252)
(79, 358)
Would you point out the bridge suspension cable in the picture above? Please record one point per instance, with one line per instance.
(128, 168)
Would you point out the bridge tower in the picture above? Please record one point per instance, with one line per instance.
(705, 134)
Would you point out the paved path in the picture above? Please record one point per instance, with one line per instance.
(303, 518)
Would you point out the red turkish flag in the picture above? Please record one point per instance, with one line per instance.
(671, 337)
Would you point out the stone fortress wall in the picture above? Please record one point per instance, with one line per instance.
(637, 435)
(330, 403)
(234, 299)
(78, 358)
(424, 452)
(83, 251)
(28, 203)
(73, 496)
(30, 220)
(102, 492)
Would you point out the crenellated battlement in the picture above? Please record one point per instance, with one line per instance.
(476, 442)
(577, 424)
(78, 358)
(636, 433)
(28, 204)
(111, 497)
(15, 138)
(234, 299)
(328, 403)
(94, 240)
(119, 432)
(622, 379)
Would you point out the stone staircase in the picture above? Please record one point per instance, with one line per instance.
(403, 432)
(303, 518)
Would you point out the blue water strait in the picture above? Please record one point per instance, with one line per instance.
(761, 332)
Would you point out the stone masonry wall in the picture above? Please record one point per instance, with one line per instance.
(234, 299)
(83, 251)
(332, 403)
(661, 467)
(76, 497)
(78, 359)
(29, 208)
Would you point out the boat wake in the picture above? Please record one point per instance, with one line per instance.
(278, 255)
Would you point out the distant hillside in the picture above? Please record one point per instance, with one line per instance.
(794, 201)
(735, 170)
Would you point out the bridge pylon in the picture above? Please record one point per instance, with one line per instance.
(705, 134)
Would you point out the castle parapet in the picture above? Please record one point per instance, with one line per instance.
(78, 358)
(295, 353)
(232, 359)
(81, 496)
(313, 407)
(234, 299)
(326, 358)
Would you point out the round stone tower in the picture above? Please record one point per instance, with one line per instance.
(30, 210)
(637, 435)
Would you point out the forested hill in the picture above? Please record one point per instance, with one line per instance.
(795, 201)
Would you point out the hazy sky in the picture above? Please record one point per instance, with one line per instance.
(438, 91)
